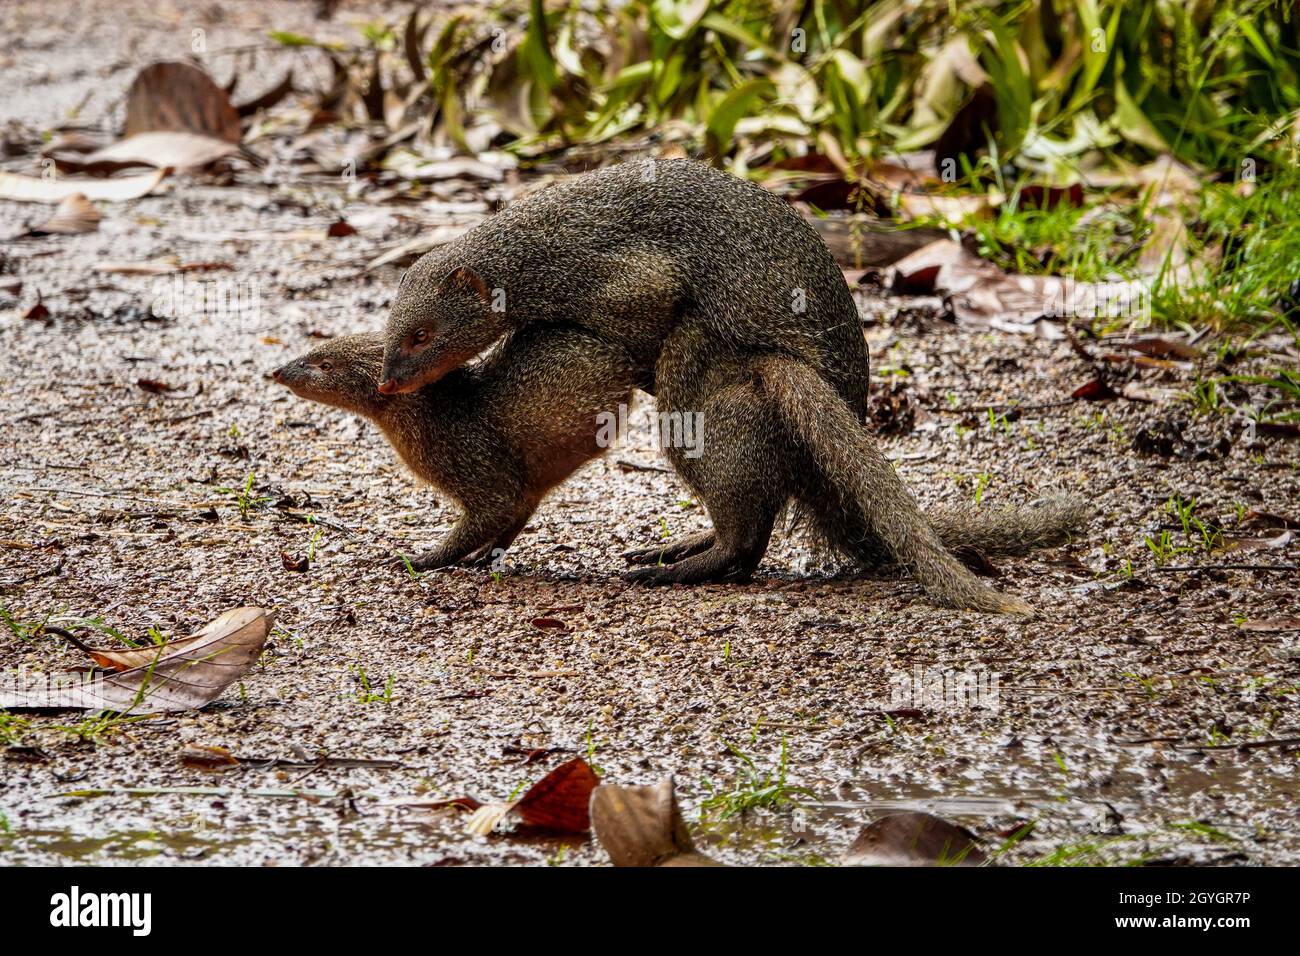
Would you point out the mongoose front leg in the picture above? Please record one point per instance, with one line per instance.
(495, 549)
(471, 533)
(673, 551)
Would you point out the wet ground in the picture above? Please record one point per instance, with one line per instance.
(1113, 722)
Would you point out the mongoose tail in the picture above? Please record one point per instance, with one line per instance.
(1012, 529)
(852, 462)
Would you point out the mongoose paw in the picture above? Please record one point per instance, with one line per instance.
(672, 551)
(423, 562)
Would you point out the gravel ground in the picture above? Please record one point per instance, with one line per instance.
(1112, 725)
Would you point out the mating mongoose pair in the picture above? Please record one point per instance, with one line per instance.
(716, 295)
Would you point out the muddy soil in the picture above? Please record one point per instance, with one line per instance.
(1113, 721)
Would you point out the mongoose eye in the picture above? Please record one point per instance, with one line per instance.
(421, 336)
(326, 366)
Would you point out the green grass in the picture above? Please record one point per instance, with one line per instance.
(13, 727)
(752, 789)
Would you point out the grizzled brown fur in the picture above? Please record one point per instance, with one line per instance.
(731, 305)
(495, 437)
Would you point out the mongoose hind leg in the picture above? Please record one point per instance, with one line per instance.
(740, 543)
(737, 467)
(672, 551)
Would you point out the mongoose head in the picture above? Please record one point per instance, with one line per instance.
(343, 372)
(442, 317)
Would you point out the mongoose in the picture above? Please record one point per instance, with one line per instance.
(732, 305)
(495, 437)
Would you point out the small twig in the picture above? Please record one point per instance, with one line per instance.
(637, 466)
(1007, 406)
(1248, 745)
(1227, 567)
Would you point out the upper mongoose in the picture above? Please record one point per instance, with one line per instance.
(729, 302)
(495, 437)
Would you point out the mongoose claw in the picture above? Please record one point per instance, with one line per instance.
(652, 575)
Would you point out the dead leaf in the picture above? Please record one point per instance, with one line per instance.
(913, 839)
(184, 674)
(75, 215)
(982, 294)
(154, 386)
(165, 149)
(952, 210)
(1049, 197)
(1094, 391)
(200, 757)
(643, 826)
(553, 623)
(1272, 625)
(180, 97)
(1255, 544)
(37, 312)
(1267, 519)
(55, 190)
(297, 565)
(559, 802)
(340, 228)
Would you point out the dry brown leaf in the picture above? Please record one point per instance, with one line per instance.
(202, 757)
(913, 839)
(55, 190)
(559, 802)
(175, 96)
(166, 149)
(642, 826)
(982, 294)
(1272, 625)
(1255, 544)
(75, 215)
(184, 674)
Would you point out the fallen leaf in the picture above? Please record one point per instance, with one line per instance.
(153, 386)
(643, 826)
(1267, 519)
(201, 757)
(55, 190)
(37, 312)
(75, 215)
(1255, 544)
(1094, 391)
(339, 229)
(184, 674)
(180, 97)
(297, 565)
(982, 294)
(1272, 625)
(560, 802)
(549, 622)
(913, 839)
(174, 149)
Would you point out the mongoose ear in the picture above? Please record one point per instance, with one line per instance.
(465, 279)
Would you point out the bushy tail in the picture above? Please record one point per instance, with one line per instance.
(1011, 529)
(854, 466)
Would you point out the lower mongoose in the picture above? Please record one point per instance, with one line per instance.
(730, 303)
(495, 437)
